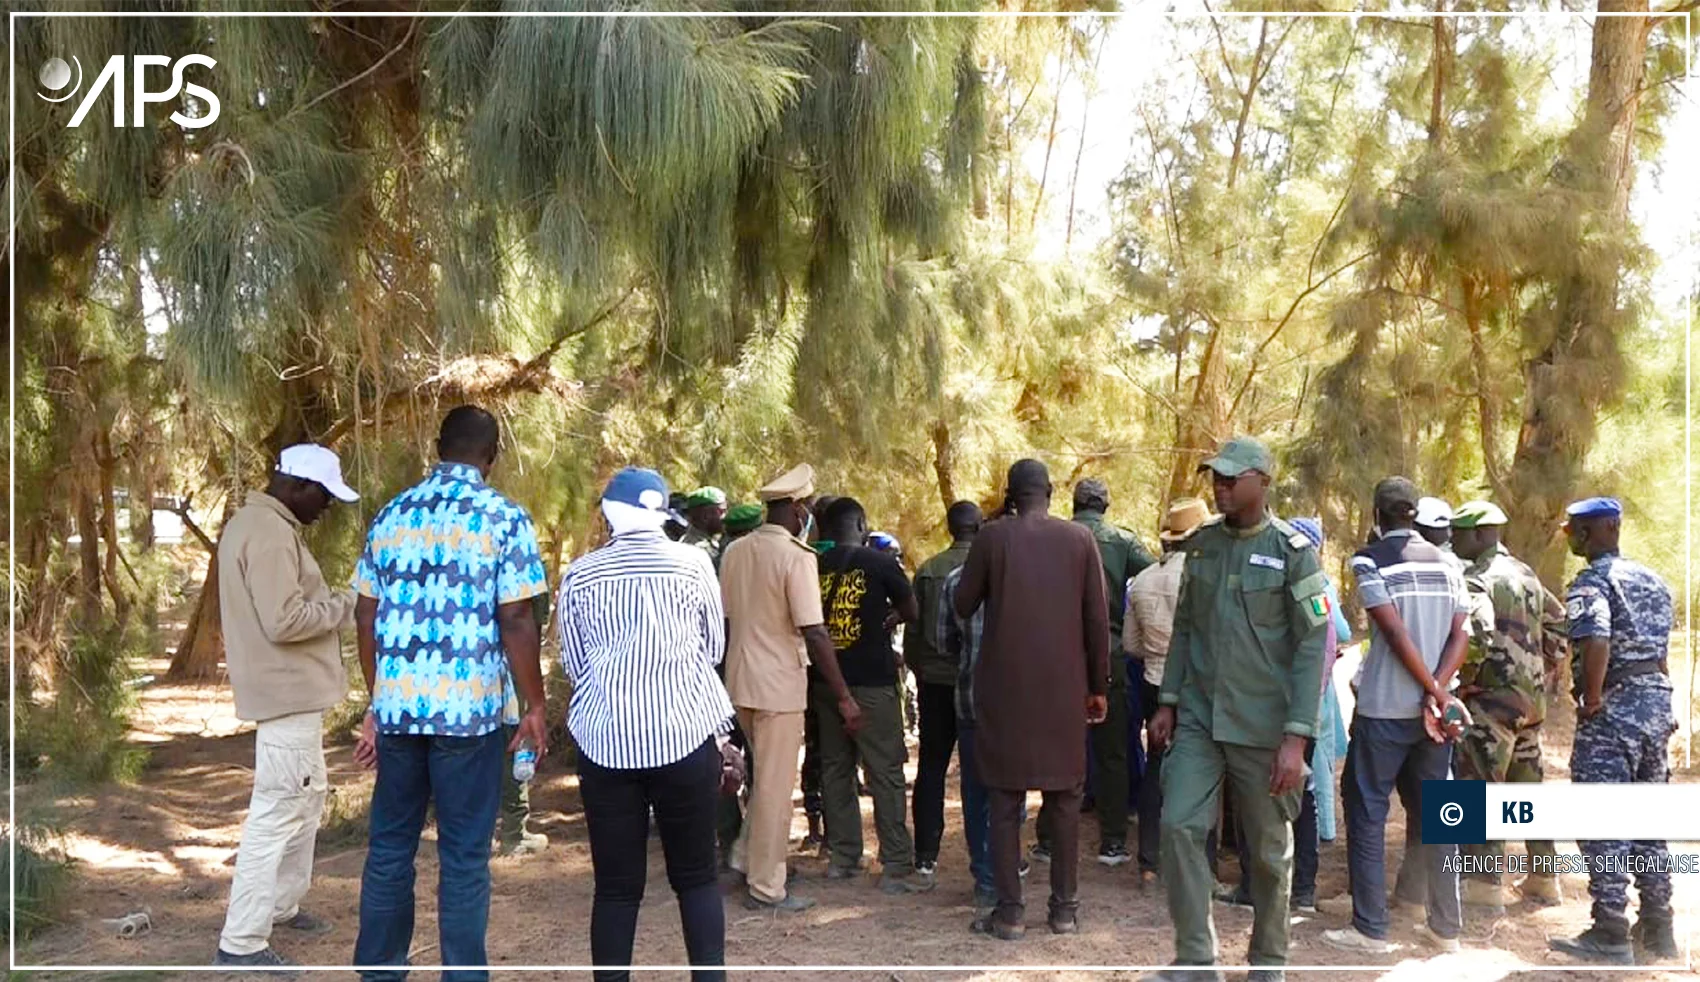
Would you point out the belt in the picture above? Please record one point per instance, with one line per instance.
(1628, 670)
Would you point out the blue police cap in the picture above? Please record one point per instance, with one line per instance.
(1595, 508)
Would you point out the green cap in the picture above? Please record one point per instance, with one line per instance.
(743, 518)
(1239, 455)
(705, 496)
(1478, 514)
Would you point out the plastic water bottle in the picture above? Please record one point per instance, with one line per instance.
(525, 763)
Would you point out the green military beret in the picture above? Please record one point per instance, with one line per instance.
(705, 496)
(1478, 514)
(743, 518)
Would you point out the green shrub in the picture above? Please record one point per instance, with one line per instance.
(44, 874)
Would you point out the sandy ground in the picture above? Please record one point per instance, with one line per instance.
(164, 844)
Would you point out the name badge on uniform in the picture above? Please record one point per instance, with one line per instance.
(1267, 562)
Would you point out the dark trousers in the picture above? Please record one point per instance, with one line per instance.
(937, 706)
(809, 777)
(1064, 809)
(1109, 752)
(1385, 754)
(976, 813)
(617, 805)
(1150, 787)
(461, 779)
(729, 813)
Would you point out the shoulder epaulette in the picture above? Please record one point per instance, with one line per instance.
(1295, 538)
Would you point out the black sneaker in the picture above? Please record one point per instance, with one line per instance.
(1606, 944)
(1041, 853)
(1026, 867)
(1235, 897)
(310, 925)
(1113, 854)
(1305, 904)
(264, 958)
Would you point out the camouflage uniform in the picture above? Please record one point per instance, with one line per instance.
(1507, 661)
(1628, 740)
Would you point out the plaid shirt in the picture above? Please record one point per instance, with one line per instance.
(960, 639)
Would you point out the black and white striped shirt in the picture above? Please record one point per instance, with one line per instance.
(641, 629)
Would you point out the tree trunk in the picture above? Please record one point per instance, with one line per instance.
(109, 524)
(1577, 372)
(944, 463)
(1440, 67)
(202, 647)
(88, 549)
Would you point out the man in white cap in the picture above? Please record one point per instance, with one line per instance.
(281, 624)
(1434, 524)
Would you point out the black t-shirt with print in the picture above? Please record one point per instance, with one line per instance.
(859, 587)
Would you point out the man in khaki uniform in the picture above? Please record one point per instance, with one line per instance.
(285, 661)
(771, 586)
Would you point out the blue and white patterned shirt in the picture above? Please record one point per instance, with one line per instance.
(440, 558)
(1627, 604)
(641, 629)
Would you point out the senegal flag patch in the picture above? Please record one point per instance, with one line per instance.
(1316, 608)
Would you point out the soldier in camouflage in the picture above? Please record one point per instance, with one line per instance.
(1503, 683)
(1620, 616)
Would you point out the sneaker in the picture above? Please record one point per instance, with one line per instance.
(1609, 945)
(839, 871)
(792, 904)
(528, 844)
(928, 870)
(1305, 904)
(264, 958)
(1026, 867)
(1428, 936)
(1113, 854)
(309, 924)
(985, 900)
(1351, 939)
(893, 885)
(1040, 853)
(1234, 896)
(1064, 922)
(990, 926)
(1267, 975)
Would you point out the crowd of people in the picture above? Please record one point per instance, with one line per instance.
(718, 653)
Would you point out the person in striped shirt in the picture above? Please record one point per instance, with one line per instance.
(641, 630)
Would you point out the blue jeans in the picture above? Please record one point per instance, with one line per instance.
(1387, 754)
(462, 778)
(976, 810)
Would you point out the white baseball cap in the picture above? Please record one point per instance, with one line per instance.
(318, 464)
(1434, 513)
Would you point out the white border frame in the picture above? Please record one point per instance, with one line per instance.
(11, 436)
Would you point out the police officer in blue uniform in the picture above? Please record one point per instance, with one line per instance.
(1620, 617)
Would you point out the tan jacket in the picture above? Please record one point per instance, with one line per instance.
(770, 582)
(1151, 598)
(280, 618)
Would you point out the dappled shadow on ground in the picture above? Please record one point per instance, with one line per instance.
(163, 845)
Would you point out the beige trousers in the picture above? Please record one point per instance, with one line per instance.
(274, 863)
(765, 839)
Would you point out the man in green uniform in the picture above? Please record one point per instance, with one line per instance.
(1503, 684)
(705, 509)
(1238, 703)
(1123, 557)
(936, 671)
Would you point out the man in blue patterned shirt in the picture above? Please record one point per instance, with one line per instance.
(1621, 617)
(446, 625)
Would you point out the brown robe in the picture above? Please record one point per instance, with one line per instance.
(1045, 647)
